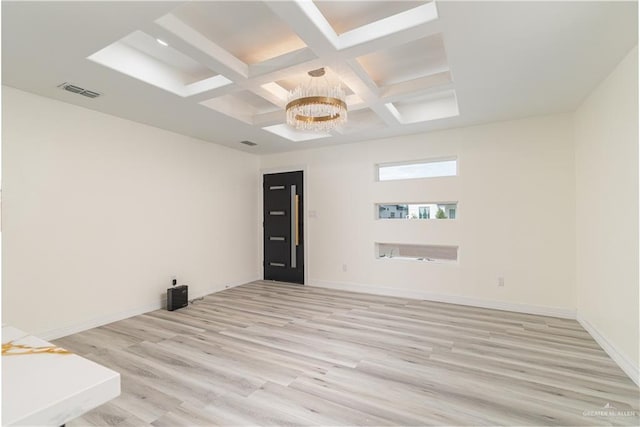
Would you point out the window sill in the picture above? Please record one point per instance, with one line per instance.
(414, 259)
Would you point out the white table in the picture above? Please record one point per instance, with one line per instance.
(50, 389)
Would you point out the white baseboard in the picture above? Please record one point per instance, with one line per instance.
(96, 321)
(565, 313)
(627, 366)
(229, 285)
(121, 315)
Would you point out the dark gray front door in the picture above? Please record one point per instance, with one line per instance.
(283, 227)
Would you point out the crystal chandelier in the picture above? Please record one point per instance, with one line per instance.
(316, 106)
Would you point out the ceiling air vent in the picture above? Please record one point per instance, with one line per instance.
(249, 143)
(80, 91)
(90, 94)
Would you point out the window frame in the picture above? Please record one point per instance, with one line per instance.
(432, 216)
(416, 162)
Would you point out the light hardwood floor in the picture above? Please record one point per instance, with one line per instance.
(275, 354)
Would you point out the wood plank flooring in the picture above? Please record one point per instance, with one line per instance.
(276, 354)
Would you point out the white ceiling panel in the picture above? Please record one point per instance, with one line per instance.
(407, 66)
(345, 16)
(190, 70)
(427, 107)
(246, 29)
(406, 62)
(363, 119)
(258, 104)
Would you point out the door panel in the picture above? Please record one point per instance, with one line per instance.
(283, 227)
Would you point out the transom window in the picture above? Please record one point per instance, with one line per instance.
(415, 170)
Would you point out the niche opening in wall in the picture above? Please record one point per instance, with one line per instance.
(413, 252)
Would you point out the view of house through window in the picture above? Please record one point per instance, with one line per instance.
(446, 210)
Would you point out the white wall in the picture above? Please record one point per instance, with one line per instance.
(99, 213)
(515, 215)
(606, 147)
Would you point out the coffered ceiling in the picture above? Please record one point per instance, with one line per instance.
(221, 70)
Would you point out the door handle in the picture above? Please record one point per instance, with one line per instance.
(297, 220)
(294, 227)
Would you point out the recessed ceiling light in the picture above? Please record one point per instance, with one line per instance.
(162, 42)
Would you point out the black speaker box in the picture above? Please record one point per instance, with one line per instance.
(177, 297)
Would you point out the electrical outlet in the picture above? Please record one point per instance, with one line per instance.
(500, 281)
(344, 267)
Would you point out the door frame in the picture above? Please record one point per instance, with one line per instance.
(305, 201)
